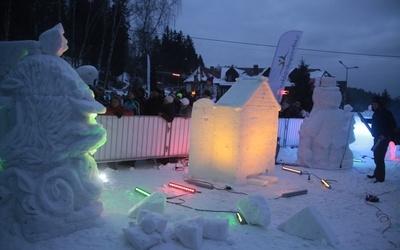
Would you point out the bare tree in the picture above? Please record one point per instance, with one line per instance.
(149, 17)
(104, 35)
(91, 21)
(116, 22)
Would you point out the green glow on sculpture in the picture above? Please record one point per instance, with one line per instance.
(92, 118)
(232, 220)
(102, 141)
(22, 55)
(112, 200)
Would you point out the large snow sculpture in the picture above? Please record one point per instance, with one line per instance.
(236, 137)
(326, 134)
(49, 183)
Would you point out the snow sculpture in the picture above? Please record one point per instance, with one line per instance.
(326, 134)
(236, 137)
(49, 182)
(309, 224)
(255, 210)
(156, 203)
(88, 73)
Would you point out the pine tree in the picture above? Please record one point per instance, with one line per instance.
(302, 89)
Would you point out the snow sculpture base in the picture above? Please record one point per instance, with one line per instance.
(309, 224)
(236, 137)
(49, 183)
(326, 134)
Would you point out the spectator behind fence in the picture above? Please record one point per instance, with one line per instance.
(99, 95)
(140, 96)
(292, 111)
(186, 109)
(154, 103)
(167, 110)
(132, 104)
(115, 108)
(177, 102)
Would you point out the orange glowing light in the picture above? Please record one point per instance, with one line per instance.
(325, 183)
(292, 170)
(181, 187)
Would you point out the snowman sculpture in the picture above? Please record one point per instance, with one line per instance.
(326, 134)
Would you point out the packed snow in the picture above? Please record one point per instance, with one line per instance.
(348, 221)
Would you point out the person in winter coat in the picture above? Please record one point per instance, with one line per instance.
(185, 110)
(154, 103)
(115, 108)
(132, 104)
(383, 125)
(167, 110)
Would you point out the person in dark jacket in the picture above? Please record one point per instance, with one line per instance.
(154, 103)
(167, 110)
(383, 125)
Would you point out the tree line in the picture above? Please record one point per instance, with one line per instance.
(115, 36)
(302, 92)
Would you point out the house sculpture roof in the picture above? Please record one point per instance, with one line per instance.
(244, 89)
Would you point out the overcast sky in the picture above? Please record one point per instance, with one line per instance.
(363, 33)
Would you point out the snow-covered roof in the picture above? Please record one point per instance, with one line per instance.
(243, 90)
(225, 69)
(201, 75)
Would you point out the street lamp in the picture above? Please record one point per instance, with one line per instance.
(347, 74)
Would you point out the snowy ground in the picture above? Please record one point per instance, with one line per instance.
(357, 224)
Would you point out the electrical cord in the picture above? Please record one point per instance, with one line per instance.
(202, 210)
(383, 217)
(212, 186)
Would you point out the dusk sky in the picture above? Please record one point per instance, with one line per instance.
(363, 33)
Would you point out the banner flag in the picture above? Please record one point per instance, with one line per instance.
(282, 62)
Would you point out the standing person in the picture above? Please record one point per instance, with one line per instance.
(383, 125)
(210, 88)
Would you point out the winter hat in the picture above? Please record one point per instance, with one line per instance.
(185, 101)
(377, 99)
(169, 99)
(179, 95)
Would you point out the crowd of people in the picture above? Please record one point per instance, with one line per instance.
(136, 102)
(168, 107)
(292, 110)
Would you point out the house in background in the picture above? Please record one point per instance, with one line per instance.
(224, 77)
